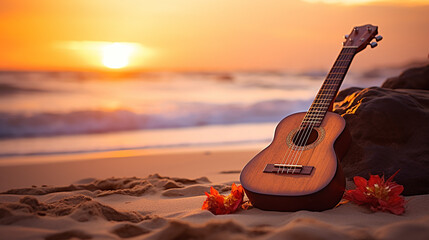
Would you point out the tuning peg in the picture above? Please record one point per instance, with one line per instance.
(373, 44)
(378, 38)
(346, 36)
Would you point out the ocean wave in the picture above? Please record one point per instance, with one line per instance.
(6, 89)
(13, 125)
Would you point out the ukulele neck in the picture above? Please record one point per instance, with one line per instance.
(327, 93)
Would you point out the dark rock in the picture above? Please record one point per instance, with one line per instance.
(390, 131)
(413, 78)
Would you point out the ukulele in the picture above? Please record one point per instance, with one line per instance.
(300, 169)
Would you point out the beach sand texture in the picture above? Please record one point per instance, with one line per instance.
(159, 196)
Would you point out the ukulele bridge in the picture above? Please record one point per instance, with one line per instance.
(288, 169)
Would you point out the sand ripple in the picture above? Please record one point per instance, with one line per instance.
(80, 208)
(131, 186)
(71, 234)
(212, 230)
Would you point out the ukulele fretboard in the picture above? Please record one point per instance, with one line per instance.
(329, 89)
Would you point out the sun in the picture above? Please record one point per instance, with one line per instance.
(113, 55)
(116, 55)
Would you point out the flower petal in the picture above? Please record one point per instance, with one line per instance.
(360, 183)
(374, 179)
(377, 194)
(219, 204)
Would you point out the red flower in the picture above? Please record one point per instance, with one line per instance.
(378, 194)
(219, 204)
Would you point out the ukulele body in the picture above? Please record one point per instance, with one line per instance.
(319, 190)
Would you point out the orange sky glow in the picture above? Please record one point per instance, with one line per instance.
(213, 35)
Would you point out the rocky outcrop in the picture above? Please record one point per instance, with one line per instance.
(390, 132)
(413, 78)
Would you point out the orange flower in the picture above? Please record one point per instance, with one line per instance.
(378, 194)
(219, 204)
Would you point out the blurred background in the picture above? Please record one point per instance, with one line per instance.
(103, 75)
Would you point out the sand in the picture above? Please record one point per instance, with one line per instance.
(159, 196)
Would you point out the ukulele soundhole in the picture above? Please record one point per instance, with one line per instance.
(304, 138)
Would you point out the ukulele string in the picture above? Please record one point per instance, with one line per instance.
(294, 148)
(314, 119)
(302, 132)
(302, 136)
(331, 90)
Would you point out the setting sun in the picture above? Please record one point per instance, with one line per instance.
(112, 55)
(116, 55)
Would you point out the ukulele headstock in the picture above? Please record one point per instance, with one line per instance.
(362, 36)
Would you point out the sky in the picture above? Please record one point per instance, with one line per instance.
(205, 35)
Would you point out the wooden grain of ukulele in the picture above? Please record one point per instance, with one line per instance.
(300, 169)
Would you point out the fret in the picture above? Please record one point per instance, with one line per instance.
(333, 84)
(312, 119)
(335, 80)
(317, 111)
(318, 116)
(321, 99)
(323, 107)
(313, 110)
(334, 75)
(326, 91)
(326, 102)
(338, 67)
(313, 116)
(324, 94)
(337, 72)
(313, 122)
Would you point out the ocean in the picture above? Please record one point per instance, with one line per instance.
(49, 113)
